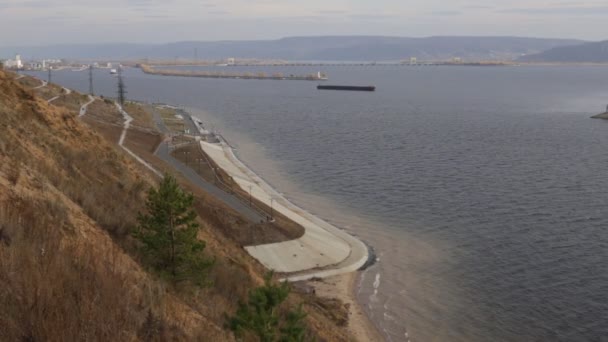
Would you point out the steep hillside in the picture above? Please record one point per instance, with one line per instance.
(580, 53)
(68, 267)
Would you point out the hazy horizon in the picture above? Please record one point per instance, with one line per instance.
(286, 37)
(52, 22)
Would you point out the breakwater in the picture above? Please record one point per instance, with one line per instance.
(247, 76)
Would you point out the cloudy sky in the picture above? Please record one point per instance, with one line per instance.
(35, 22)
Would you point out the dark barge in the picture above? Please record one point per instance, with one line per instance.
(343, 87)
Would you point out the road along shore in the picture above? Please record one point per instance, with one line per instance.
(323, 251)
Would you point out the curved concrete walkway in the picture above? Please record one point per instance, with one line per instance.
(323, 250)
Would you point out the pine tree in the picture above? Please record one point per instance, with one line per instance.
(294, 329)
(168, 234)
(261, 316)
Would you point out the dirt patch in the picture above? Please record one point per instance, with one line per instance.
(142, 141)
(50, 91)
(110, 131)
(140, 116)
(29, 82)
(71, 102)
(332, 292)
(174, 123)
(106, 111)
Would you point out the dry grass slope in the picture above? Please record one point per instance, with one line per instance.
(68, 268)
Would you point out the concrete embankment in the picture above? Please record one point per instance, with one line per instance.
(324, 250)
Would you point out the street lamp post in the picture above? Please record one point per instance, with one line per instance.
(187, 153)
(250, 187)
(271, 208)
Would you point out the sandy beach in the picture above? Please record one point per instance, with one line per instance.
(343, 287)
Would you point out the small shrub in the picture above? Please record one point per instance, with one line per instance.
(261, 315)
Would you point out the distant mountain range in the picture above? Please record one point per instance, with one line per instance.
(330, 48)
(580, 53)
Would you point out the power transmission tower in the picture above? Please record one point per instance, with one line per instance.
(122, 89)
(91, 80)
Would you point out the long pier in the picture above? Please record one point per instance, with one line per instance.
(341, 64)
(247, 76)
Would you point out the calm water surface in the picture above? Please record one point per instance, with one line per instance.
(483, 190)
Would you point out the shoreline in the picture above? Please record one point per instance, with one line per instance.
(344, 287)
(324, 250)
(334, 281)
(344, 271)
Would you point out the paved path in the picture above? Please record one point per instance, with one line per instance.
(189, 122)
(160, 123)
(229, 199)
(44, 84)
(66, 92)
(123, 135)
(83, 109)
(53, 99)
(324, 250)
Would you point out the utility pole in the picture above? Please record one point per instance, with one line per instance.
(122, 89)
(91, 79)
(50, 75)
(250, 188)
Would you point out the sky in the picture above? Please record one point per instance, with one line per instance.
(49, 22)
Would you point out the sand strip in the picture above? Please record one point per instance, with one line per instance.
(342, 287)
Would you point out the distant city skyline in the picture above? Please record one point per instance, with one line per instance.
(42, 22)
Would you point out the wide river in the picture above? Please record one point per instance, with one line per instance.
(483, 190)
